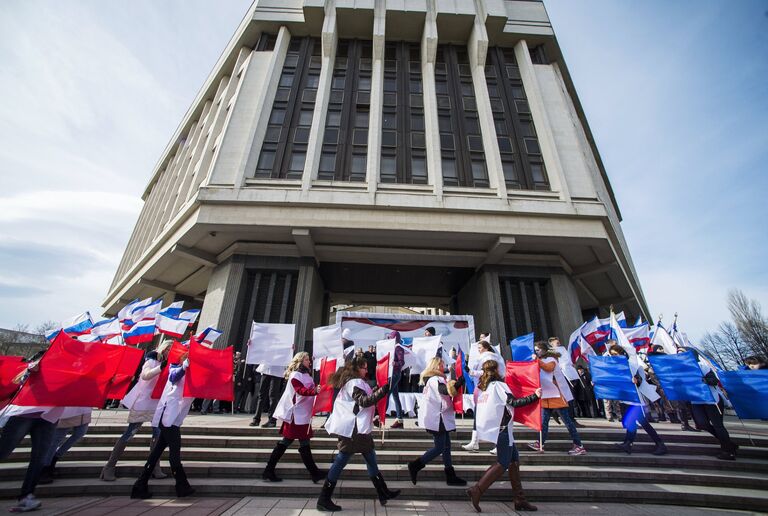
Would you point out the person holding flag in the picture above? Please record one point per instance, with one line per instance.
(634, 413)
(295, 411)
(495, 412)
(437, 417)
(352, 422)
(485, 352)
(555, 397)
(141, 409)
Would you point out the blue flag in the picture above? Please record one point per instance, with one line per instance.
(522, 348)
(613, 379)
(680, 377)
(469, 382)
(748, 392)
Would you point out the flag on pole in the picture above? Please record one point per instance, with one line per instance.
(140, 333)
(106, 328)
(210, 373)
(680, 377)
(52, 334)
(125, 312)
(79, 325)
(190, 316)
(747, 391)
(208, 336)
(147, 313)
(326, 343)
(523, 379)
(382, 378)
(617, 333)
(595, 333)
(660, 336)
(613, 379)
(171, 326)
(123, 378)
(638, 336)
(522, 348)
(173, 310)
(324, 399)
(127, 319)
(177, 349)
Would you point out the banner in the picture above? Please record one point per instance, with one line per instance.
(680, 377)
(326, 342)
(613, 379)
(10, 367)
(177, 349)
(210, 374)
(324, 399)
(522, 348)
(125, 373)
(425, 348)
(72, 374)
(523, 379)
(382, 378)
(271, 344)
(748, 392)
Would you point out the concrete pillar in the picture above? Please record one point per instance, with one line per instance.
(377, 97)
(308, 307)
(431, 125)
(565, 307)
(481, 298)
(226, 288)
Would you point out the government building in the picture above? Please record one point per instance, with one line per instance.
(419, 153)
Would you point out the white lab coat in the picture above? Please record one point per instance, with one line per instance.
(140, 397)
(491, 405)
(295, 407)
(435, 406)
(173, 407)
(343, 419)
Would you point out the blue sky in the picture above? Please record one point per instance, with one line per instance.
(676, 94)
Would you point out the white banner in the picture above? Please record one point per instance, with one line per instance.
(326, 342)
(271, 344)
(426, 349)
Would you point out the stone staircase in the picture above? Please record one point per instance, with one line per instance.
(224, 456)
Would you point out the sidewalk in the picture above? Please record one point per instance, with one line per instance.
(262, 506)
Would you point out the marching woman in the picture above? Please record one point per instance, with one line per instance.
(554, 398)
(171, 410)
(141, 408)
(352, 421)
(495, 410)
(437, 417)
(486, 353)
(295, 411)
(709, 416)
(635, 413)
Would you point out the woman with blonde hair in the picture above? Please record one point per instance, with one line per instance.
(295, 411)
(438, 419)
(495, 412)
(141, 408)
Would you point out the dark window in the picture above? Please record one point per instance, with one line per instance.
(519, 147)
(283, 152)
(461, 144)
(266, 42)
(269, 297)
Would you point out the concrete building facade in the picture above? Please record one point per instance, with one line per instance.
(384, 152)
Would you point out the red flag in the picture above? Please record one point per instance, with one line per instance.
(174, 354)
(10, 367)
(523, 379)
(382, 378)
(125, 373)
(324, 398)
(210, 373)
(458, 400)
(72, 374)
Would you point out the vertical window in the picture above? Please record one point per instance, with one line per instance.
(461, 144)
(284, 150)
(403, 143)
(266, 42)
(345, 142)
(521, 158)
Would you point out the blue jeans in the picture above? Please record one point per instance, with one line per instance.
(395, 393)
(60, 443)
(506, 454)
(41, 433)
(567, 419)
(442, 445)
(130, 432)
(343, 458)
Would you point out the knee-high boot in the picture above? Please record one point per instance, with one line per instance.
(518, 496)
(182, 484)
(490, 476)
(269, 471)
(309, 463)
(382, 490)
(108, 471)
(158, 471)
(324, 503)
(140, 488)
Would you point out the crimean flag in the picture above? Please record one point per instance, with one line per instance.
(324, 398)
(72, 374)
(523, 380)
(210, 374)
(174, 354)
(10, 367)
(382, 378)
(458, 400)
(125, 373)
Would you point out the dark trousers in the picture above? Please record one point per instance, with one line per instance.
(710, 419)
(633, 415)
(442, 446)
(269, 393)
(170, 437)
(239, 403)
(41, 433)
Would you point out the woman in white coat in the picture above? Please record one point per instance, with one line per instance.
(352, 421)
(171, 410)
(437, 417)
(495, 411)
(295, 411)
(141, 409)
(485, 353)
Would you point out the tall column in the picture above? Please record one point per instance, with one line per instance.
(431, 123)
(566, 309)
(541, 121)
(307, 311)
(226, 289)
(377, 97)
(329, 39)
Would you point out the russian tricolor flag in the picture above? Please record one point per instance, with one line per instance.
(595, 332)
(141, 332)
(171, 326)
(79, 325)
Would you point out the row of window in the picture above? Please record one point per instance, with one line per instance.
(403, 139)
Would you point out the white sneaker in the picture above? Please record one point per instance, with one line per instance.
(471, 446)
(26, 504)
(493, 451)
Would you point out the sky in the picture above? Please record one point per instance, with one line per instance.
(675, 92)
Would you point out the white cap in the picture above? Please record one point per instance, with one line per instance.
(346, 333)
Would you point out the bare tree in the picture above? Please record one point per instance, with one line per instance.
(726, 345)
(46, 326)
(23, 328)
(750, 321)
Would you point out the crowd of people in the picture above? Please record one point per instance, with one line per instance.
(286, 395)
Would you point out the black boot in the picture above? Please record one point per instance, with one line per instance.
(413, 469)
(309, 463)
(451, 479)
(269, 471)
(324, 503)
(140, 489)
(660, 449)
(182, 485)
(382, 490)
(626, 446)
